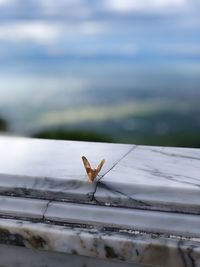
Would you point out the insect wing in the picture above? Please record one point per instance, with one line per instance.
(100, 165)
(86, 164)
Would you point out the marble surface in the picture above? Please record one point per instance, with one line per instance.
(148, 221)
(143, 210)
(22, 207)
(186, 225)
(125, 246)
(154, 178)
(53, 169)
(12, 256)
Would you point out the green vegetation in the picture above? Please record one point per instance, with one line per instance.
(180, 139)
(3, 125)
(177, 139)
(73, 135)
(167, 128)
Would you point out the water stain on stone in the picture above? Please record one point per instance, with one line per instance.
(82, 243)
(73, 251)
(37, 241)
(34, 240)
(110, 253)
(16, 239)
(11, 239)
(4, 233)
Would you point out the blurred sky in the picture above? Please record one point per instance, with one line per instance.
(61, 53)
(153, 29)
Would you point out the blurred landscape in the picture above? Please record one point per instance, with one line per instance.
(113, 71)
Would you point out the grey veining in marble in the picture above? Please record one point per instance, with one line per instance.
(154, 178)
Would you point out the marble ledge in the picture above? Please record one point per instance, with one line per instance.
(154, 178)
(149, 178)
(53, 169)
(152, 222)
(128, 247)
(19, 207)
(145, 208)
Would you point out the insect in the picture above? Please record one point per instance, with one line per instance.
(92, 173)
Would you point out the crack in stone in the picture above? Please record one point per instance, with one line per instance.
(135, 201)
(47, 205)
(114, 165)
(171, 177)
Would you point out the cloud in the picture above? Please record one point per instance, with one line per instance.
(116, 50)
(179, 49)
(92, 27)
(89, 28)
(45, 9)
(37, 31)
(127, 6)
(71, 8)
(4, 3)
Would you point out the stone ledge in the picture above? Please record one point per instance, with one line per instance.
(153, 178)
(144, 208)
(132, 247)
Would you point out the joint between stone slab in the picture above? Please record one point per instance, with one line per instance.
(46, 208)
(114, 165)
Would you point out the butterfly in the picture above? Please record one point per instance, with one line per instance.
(92, 173)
